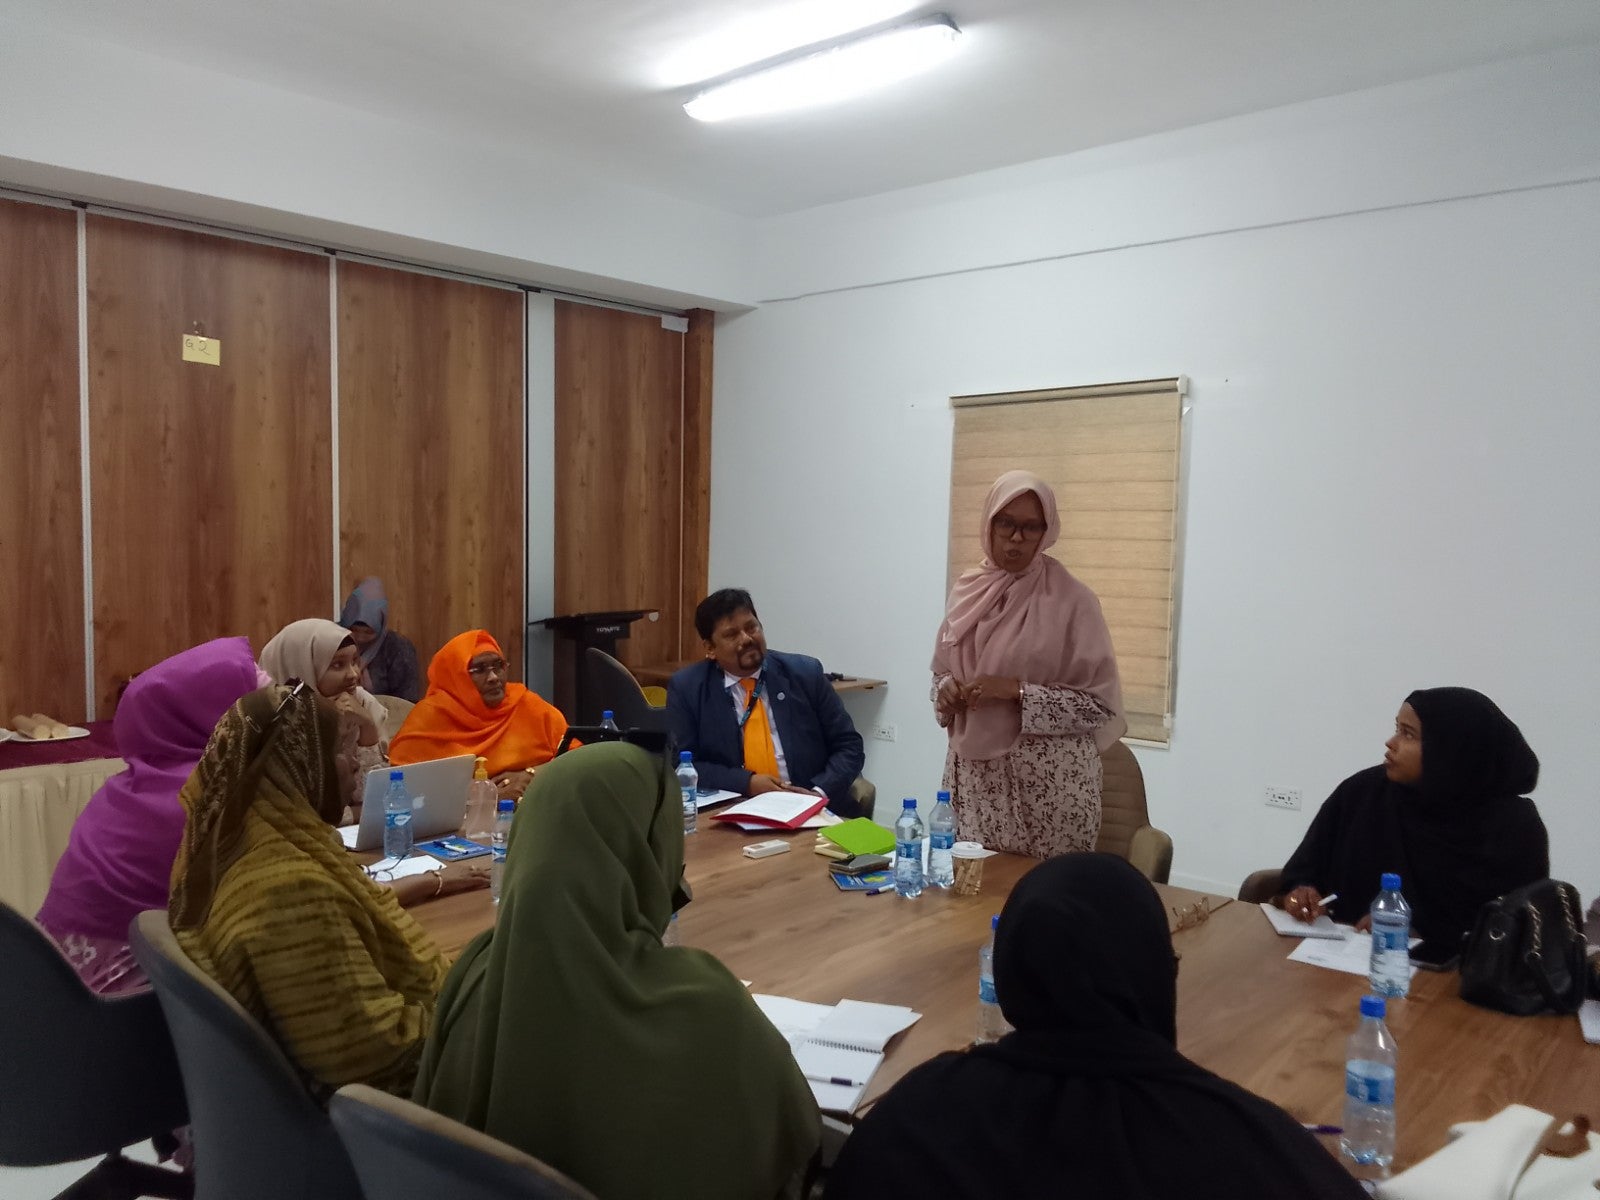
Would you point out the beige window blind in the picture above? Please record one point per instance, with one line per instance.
(1111, 454)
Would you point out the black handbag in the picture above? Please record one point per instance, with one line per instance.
(1526, 952)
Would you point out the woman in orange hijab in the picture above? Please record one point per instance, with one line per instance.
(471, 708)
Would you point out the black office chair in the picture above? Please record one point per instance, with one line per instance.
(612, 686)
(258, 1135)
(82, 1074)
(404, 1152)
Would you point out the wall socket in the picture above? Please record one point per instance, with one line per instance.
(1277, 797)
(886, 733)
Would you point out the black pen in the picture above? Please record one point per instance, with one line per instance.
(834, 1079)
(1323, 1128)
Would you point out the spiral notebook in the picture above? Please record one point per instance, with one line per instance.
(838, 1047)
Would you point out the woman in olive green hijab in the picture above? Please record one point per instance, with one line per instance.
(569, 1031)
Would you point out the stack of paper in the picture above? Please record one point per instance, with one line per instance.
(837, 1046)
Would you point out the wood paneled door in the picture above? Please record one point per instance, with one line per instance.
(432, 452)
(621, 514)
(41, 497)
(212, 485)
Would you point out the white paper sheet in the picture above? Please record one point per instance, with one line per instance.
(781, 807)
(1589, 1021)
(417, 864)
(709, 798)
(348, 835)
(1351, 953)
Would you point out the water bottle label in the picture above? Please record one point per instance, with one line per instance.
(396, 819)
(1369, 1089)
(942, 840)
(1390, 938)
(908, 850)
(497, 854)
(986, 990)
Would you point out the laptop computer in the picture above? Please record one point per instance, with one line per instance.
(438, 795)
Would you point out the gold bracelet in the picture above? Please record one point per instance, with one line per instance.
(438, 886)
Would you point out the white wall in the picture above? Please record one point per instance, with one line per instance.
(92, 120)
(1391, 448)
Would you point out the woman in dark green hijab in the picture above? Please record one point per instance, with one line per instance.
(571, 1032)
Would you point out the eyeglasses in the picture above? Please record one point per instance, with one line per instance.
(383, 871)
(1031, 531)
(1190, 915)
(498, 667)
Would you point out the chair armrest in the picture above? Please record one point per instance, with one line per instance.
(1150, 851)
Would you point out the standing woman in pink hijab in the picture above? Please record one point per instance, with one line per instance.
(1025, 680)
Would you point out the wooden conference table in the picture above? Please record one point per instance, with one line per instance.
(1244, 1010)
(660, 674)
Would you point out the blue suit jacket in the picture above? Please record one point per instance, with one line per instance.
(821, 747)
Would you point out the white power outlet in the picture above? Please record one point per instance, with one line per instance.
(1277, 797)
(885, 733)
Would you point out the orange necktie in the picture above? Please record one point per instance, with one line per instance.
(759, 755)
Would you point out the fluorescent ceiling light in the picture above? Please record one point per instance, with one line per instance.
(831, 72)
(769, 31)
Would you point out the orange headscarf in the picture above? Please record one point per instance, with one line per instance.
(522, 731)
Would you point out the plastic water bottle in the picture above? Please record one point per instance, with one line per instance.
(941, 836)
(481, 797)
(397, 817)
(992, 1024)
(503, 813)
(908, 851)
(689, 786)
(608, 720)
(1369, 1078)
(1390, 969)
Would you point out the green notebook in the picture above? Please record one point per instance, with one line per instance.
(861, 836)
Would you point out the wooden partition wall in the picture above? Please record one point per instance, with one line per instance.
(631, 428)
(211, 486)
(41, 509)
(431, 452)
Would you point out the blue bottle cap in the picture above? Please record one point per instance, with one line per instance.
(1391, 882)
(396, 774)
(909, 802)
(506, 805)
(944, 797)
(1372, 1006)
(608, 715)
(685, 756)
(994, 921)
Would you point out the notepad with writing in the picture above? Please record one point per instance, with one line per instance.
(1287, 926)
(838, 1047)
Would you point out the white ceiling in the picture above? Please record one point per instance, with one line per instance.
(594, 86)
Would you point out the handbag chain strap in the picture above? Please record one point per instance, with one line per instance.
(1567, 902)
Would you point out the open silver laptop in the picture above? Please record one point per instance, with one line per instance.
(438, 795)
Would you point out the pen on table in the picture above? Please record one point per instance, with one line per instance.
(1326, 900)
(878, 891)
(1323, 1128)
(835, 1079)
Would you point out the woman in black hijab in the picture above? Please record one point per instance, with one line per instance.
(1445, 811)
(1089, 1097)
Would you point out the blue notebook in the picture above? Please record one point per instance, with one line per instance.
(453, 849)
(872, 881)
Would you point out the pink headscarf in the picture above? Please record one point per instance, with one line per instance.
(1040, 626)
(119, 860)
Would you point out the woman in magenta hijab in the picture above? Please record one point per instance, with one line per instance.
(119, 860)
(1025, 680)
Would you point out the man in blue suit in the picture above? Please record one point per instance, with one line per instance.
(757, 720)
